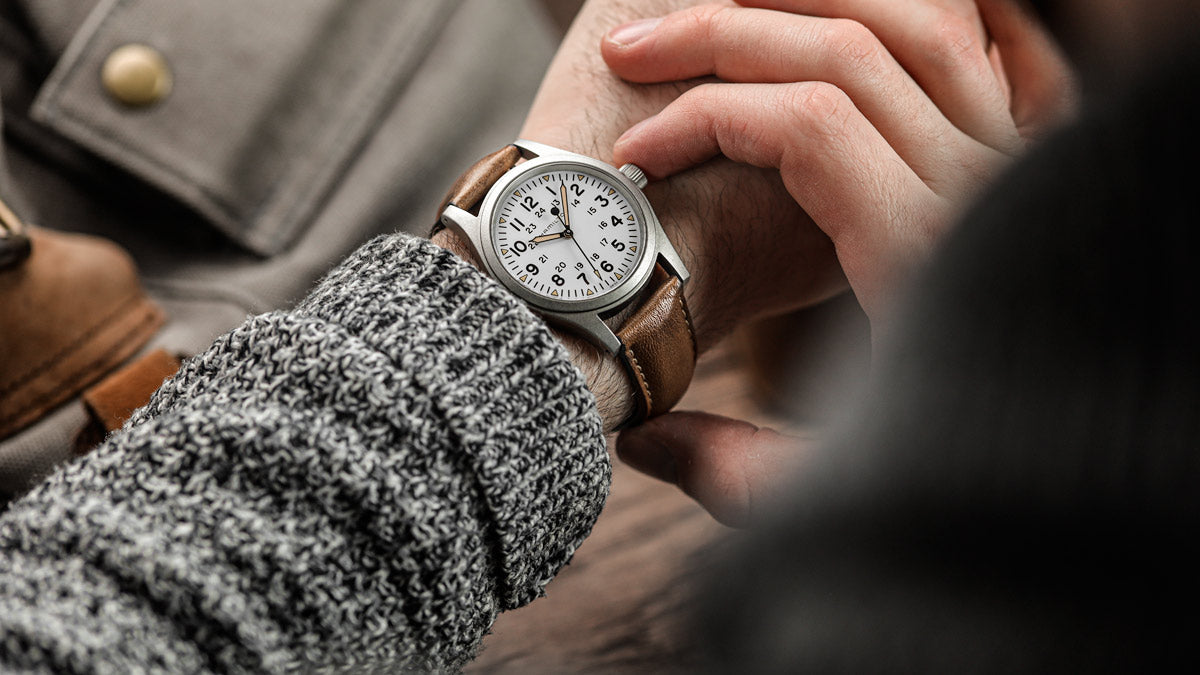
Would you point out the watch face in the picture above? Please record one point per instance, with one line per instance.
(568, 232)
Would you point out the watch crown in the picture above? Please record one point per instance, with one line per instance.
(634, 174)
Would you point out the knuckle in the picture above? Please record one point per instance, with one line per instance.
(697, 101)
(819, 107)
(698, 109)
(953, 40)
(705, 22)
(854, 46)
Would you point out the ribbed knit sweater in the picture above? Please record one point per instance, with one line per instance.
(367, 479)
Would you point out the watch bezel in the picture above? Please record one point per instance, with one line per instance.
(608, 300)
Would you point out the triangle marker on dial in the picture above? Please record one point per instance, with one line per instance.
(553, 292)
(633, 248)
(524, 277)
(590, 292)
(503, 251)
(620, 277)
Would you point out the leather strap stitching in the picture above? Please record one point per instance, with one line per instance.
(643, 386)
(687, 321)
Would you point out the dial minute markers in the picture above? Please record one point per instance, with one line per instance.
(527, 244)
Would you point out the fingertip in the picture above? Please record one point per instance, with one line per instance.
(629, 34)
(627, 147)
(642, 449)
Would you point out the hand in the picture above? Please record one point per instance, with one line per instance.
(884, 123)
(885, 118)
(722, 218)
(733, 468)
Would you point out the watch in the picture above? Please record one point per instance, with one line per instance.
(578, 241)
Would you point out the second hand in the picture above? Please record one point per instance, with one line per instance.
(566, 220)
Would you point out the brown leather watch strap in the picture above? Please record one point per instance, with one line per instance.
(470, 187)
(659, 348)
(658, 345)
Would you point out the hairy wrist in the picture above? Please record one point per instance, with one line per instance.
(605, 376)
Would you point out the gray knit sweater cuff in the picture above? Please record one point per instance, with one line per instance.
(366, 479)
(518, 410)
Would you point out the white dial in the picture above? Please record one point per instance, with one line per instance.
(568, 233)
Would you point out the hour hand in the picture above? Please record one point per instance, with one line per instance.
(548, 237)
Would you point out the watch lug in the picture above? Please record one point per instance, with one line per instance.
(670, 257)
(590, 327)
(535, 149)
(464, 225)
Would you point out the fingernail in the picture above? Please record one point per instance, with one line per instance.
(644, 452)
(632, 32)
(634, 130)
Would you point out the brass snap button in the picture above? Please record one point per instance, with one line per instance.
(136, 75)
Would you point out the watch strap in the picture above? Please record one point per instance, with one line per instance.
(658, 343)
(659, 348)
(470, 188)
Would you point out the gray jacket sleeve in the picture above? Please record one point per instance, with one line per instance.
(369, 478)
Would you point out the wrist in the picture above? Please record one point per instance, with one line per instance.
(604, 374)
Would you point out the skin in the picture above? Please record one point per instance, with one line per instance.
(721, 216)
(884, 120)
(892, 159)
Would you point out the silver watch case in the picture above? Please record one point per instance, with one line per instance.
(581, 316)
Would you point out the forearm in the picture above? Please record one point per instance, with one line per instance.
(371, 476)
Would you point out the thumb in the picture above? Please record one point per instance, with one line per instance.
(730, 467)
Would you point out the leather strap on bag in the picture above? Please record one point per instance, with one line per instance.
(658, 343)
(659, 349)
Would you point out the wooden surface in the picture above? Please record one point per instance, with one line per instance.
(620, 605)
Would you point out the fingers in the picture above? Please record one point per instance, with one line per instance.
(1043, 85)
(943, 44)
(833, 162)
(732, 468)
(750, 45)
